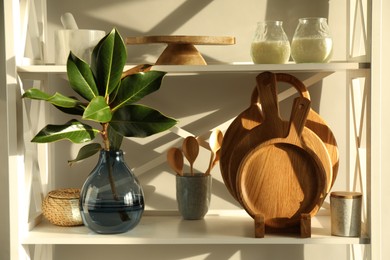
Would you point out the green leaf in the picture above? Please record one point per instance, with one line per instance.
(98, 110)
(108, 60)
(57, 99)
(115, 139)
(86, 152)
(35, 93)
(140, 121)
(77, 110)
(73, 131)
(136, 86)
(81, 78)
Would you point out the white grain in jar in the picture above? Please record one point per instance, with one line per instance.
(345, 212)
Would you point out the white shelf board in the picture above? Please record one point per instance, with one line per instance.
(213, 229)
(256, 68)
(217, 68)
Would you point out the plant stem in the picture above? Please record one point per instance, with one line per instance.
(111, 177)
(104, 133)
(106, 142)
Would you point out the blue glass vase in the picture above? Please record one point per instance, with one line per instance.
(111, 199)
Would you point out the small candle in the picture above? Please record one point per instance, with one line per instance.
(345, 211)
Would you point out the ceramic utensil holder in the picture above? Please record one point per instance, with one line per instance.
(193, 194)
(345, 210)
(80, 42)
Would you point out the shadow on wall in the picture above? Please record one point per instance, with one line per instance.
(204, 252)
(166, 26)
(290, 13)
(171, 17)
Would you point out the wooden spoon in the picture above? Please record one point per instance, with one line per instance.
(215, 144)
(175, 160)
(218, 152)
(190, 149)
(217, 158)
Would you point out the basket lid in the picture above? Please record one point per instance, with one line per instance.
(68, 193)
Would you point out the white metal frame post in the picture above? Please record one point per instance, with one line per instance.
(25, 28)
(376, 136)
(4, 187)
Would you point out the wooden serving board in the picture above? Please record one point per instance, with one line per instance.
(240, 126)
(272, 126)
(182, 39)
(237, 143)
(181, 49)
(285, 177)
(317, 124)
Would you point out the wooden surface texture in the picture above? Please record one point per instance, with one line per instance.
(286, 176)
(182, 39)
(238, 140)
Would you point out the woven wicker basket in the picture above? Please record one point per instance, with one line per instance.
(61, 207)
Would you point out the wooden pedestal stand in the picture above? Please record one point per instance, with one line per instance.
(181, 49)
(303, 227)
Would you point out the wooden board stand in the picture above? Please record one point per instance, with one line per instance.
(303, 228)
(180, 49)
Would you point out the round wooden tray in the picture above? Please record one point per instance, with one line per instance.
(181, 49)
(283, 178)
(237, 140)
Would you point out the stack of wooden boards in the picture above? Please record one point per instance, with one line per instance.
(280, 171)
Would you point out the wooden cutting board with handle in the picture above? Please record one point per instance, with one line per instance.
(285, 177)
(240, 126)
(241, 144)
(271, 127)
(317, 124)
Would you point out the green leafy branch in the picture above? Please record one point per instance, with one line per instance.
(110, 97)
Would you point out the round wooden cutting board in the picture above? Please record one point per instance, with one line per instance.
(317, 124)
(240, 126)
(272, 126)
(283, 178)
(237, 141)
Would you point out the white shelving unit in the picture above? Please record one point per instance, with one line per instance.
(169, 228)
(219, 227)
(221, 68)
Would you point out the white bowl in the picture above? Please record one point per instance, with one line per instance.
(80, 42)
